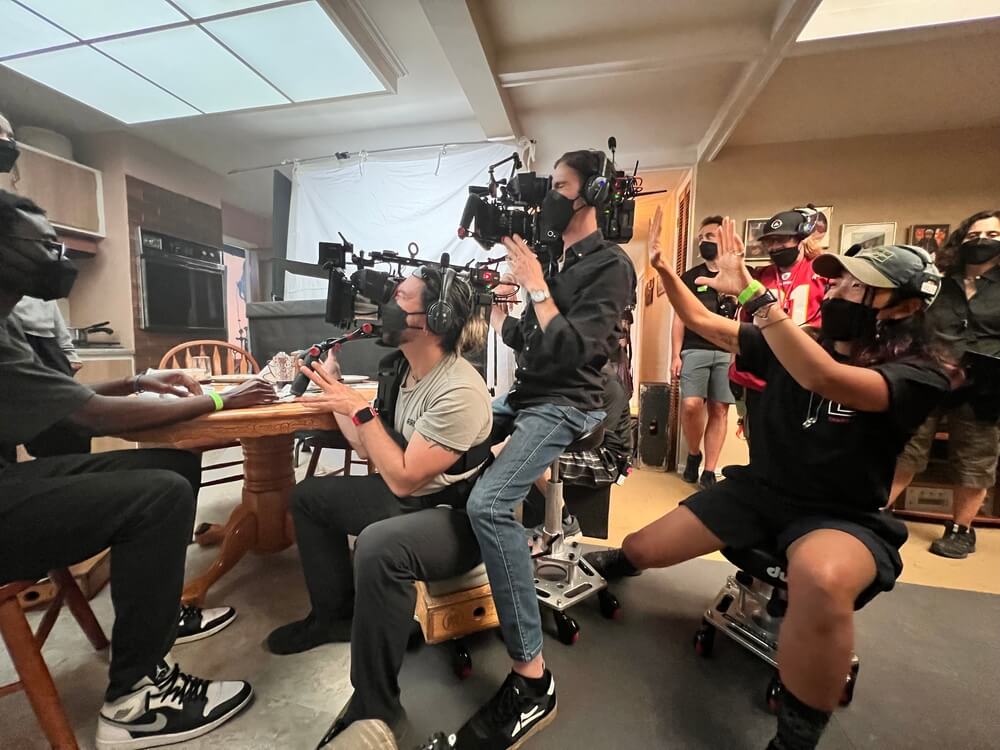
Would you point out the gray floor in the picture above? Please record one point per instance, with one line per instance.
(930, 671)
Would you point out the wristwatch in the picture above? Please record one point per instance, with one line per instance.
(363, 416)
(539, 295)
(757, 304)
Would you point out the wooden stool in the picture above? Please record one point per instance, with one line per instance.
(452, 609)
(25, 650)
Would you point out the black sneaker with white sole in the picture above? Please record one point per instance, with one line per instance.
(517, 712)
(169, 706)
(196, 623)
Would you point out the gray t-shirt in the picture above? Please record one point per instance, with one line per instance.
(449, 406)
(33, 397)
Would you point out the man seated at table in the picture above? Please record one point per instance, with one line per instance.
(61, 510)
(409, 518)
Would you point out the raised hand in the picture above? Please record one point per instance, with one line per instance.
(654, 243)
(733, 276)
(340, 398)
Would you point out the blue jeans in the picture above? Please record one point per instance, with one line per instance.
(539, 435)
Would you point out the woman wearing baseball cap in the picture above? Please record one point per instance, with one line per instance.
(834, 416)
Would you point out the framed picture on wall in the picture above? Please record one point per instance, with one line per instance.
(648, 294)
(752, 230)
(867, 235)
(931, 237)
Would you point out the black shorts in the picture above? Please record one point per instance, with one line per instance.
(744, 514)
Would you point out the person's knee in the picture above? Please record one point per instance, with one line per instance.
(172, 496)
(692, 407)
(379, 553)
(305, 495)
(822, 588)
(718, 410)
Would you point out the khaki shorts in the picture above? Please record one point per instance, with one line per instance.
(973, 447)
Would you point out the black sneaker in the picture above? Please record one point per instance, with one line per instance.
(690, 474)
(440, 741)
(611, 563)
(197, 623)
(516, 713)
(707, 480)
(957, 543)
(169, 706)
(398, 728)
(302, 635)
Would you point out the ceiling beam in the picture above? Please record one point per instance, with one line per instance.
(789, 22)
(466, 44)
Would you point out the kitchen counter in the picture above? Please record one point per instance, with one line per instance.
(109, 352)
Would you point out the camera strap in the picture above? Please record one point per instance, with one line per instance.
(392, 371)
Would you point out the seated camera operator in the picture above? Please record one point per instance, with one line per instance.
(57, 511)
(563, 340)
(408, 518)
(967, 312)
(834, 417)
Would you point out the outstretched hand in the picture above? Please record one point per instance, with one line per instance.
(654, 243)
(733, 276)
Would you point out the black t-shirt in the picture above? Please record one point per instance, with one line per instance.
(708, 297)
(845, 459)
(33, 397)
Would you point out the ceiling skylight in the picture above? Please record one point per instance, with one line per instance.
(836, 18)
(145, 60)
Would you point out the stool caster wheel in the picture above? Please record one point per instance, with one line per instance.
(775, 690)
(704, 641)
(852, 680)
(461, 661)
(611, 608)
(569, 631)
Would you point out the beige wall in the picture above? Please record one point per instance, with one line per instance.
(925, 178)
(102, 291)
(246, 226)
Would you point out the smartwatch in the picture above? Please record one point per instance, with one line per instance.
(757, 304)
(363, 416)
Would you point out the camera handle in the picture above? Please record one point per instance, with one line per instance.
(317, 351)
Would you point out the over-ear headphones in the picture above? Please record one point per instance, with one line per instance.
(925, 284)
(597, 187)
(810, 218)
(441, 313)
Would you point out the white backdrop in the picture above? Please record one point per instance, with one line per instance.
(386, 201)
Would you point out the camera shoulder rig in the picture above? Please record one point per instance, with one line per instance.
(392, 371)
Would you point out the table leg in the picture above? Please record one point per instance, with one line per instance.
(240, 537)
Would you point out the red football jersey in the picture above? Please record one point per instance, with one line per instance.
(800, 293)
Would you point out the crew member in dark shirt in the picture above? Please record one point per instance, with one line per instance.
(967, 312)
(563, 340)
(834, 416)
(703, 368)
(60, 510)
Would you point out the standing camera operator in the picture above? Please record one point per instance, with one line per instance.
(835, 415)
(563, 340)
(407, 518)
(57, 511)
(967, 312)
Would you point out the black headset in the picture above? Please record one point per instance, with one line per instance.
(926, 284)
(810, 218)
(597, 187)
(441, 313)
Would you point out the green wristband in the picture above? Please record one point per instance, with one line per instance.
(752, 288)
(216, 399)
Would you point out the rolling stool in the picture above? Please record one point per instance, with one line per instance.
(562, 577)
(750, 608)
(453, 608)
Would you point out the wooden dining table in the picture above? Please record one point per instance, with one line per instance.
(261, 523)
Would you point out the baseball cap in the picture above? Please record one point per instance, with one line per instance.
(903, 267)
(785, 224)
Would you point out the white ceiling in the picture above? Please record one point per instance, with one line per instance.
(672, 81)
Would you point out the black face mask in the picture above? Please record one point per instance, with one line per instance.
(708, 250)
(557, 212)
(8, 155)
(980, 250)
(34, 265)
(784, 257)
(394, 323)
(844, 320)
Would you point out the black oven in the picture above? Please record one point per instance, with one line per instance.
(182, 283)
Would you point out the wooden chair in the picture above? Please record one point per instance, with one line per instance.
(227, 359)
(25, 650)
(317, 441)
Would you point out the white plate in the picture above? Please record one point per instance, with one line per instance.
(353, 379)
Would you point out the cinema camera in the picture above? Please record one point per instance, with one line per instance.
(355, 301)
(513, 205)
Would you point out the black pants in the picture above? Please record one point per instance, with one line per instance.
(399, 542)
(59, 511)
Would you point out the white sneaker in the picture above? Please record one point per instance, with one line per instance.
(196, 623)
(169, 706)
